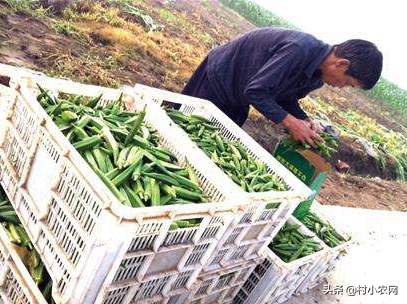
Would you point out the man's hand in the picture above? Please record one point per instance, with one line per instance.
(315, 125)
(300, 130)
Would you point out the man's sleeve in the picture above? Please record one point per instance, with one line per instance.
(294, 108)
(263, 86)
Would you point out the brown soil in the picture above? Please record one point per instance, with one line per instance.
(108, 55)
(345, 99)
(354, 191)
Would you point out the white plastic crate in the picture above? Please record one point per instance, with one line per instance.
(13, 71)
(5, 96)
(275, 281)
(8, 178)
(221, 286)
(229, 130)
(333, 256)
(247, 235)
(232, 255)
(16, 284)
(170, 288)
(252, 281)
(90, 243)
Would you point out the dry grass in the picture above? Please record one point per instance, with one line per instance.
(108, 34)
(87, 68)
(117, 46)
(167, 55)
(173, 59)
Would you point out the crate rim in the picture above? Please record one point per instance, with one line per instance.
(298, 262)
(229, 205)
(17, 266)
(299, 189)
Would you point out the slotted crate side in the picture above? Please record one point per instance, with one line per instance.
(139, 265)
(260, 222)
(247, 235)
(16, 284)
(252, 281)
(74, 215)
(232, 255)
(154, 235)
(8, 178)
(60, 229)
(171, 288)
(265, 288)
(61, 235)
(150, 289)
(256, 222)
(6, 97)
(116, 295)
(213, 186)
(14, 150)
(333, 256)
(229, 130)
(181, 280)
(219, 282)
(230, 293)
(226, 294)
(178, 299)
(276, 280)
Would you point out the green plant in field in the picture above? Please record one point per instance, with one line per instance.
(182, 21)
(205, 38)
(206, 4)
(143, 18)
(394, 96)
(386, 143)
(29, 7)
(256, 14)
(123, 2)
(177, 20)
(21, 5)
(70, 30)
(110, 16)
(66, 28)
(70, 15)
(97, 13)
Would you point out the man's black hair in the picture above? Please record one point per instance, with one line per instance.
(366, 61)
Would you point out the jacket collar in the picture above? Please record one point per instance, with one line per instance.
(316, 61)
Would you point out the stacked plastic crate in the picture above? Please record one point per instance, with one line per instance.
(254, 228)
(333, 256)
(95, 249)
(16, 284)
(222, 285)
(274, 281)
(100, 251)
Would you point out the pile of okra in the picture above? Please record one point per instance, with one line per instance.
(23, 246)
(290, 244)
(326, 147)
(323, 230)
(231, 156)
(123, 151)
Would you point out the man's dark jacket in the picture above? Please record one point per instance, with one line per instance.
(269, 68)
